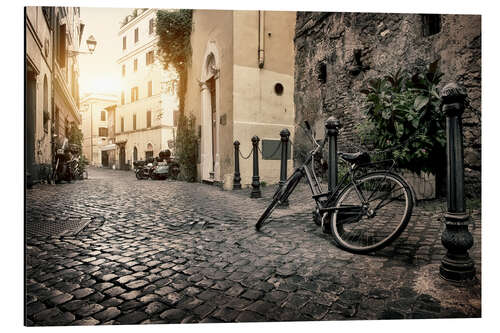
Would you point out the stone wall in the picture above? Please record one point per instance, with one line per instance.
(337, 53)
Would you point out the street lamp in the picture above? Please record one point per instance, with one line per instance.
(91, 44)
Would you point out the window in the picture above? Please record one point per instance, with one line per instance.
(47, 13)
(103, 117)
(103, 131)
(123, 97)
(134, 92)
(148, 119)
(123, 70)
(122, 125)
(61, 45)
(135, 121)
(151, 26)
(431, 24)
(150, 88)
(135, 65)
(124, 42)
(150, 58)
(136, 35)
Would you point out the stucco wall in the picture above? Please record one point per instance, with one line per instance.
(39, 53)
(386, 42)
(258, 109)
(213, 26)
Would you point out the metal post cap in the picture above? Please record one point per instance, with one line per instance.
(255, 139)
(332, 123)
(236, 143)
(284, 132)
(453, 93)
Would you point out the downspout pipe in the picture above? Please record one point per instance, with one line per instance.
(261, 39)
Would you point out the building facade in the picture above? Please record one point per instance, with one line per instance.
(338, 53)
(52, 92)
(240, 84)
(145, 112)
(95, 128)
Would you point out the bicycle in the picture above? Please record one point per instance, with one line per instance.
(365, 211)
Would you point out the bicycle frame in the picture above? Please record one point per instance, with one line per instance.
(327, 205)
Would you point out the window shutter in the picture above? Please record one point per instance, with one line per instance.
(62, 45)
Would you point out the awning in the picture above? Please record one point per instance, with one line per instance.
(108, 147)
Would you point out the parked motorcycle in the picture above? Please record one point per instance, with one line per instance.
(160, 168)
(63, 162)
(167, 167)
(143, 169)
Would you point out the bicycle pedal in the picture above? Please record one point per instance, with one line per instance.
(325, 226)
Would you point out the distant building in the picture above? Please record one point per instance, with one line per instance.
(110, 149)
(95, 127)
(145, 112)
(52, 72)
(240, 84)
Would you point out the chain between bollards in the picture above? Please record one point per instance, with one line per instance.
(456, 265)
(256, 193)
(236, 178)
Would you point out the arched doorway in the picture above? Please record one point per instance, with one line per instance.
(210, 92)
(149, 151)
(122, 157)
(135, 154)
(30, 126)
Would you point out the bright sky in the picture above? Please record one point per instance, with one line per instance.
(99, 72)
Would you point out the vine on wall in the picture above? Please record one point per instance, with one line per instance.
(173, 28)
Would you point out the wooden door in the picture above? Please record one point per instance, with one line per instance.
(212, 89)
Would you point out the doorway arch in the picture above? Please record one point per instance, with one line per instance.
(210, 106)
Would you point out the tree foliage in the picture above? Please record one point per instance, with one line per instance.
(75, 136)
(174, 31)
(404, 110)
(186, 145)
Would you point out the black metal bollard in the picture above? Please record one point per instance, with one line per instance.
(285, 137)
(456, 265)
(255, 179)
(332, 129)
(236, 178)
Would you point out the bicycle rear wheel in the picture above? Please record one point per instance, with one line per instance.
(281, 195)
(373, 213)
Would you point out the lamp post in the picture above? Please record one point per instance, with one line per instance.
(91, 45)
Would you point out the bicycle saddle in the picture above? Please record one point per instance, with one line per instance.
(356, 158)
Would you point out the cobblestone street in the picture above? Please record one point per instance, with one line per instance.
(116, 250)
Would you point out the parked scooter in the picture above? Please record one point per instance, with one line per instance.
(143, 168)
(167, 167)
(63, 161)
(159, 168)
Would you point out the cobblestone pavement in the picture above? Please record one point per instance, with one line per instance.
(115, 250)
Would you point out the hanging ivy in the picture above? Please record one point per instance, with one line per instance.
(174, 31)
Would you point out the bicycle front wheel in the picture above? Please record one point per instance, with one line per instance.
(372, 214)
(281, 195)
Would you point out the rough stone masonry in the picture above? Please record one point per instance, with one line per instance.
(337, 53)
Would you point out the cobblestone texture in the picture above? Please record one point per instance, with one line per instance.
(171, 252)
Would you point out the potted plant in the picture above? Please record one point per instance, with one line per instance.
(404, 122)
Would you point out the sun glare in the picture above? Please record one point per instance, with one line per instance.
(100, 84)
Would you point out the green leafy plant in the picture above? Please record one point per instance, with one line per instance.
(186, 145)
(403, 111)
(75, 136)
(173, 28)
